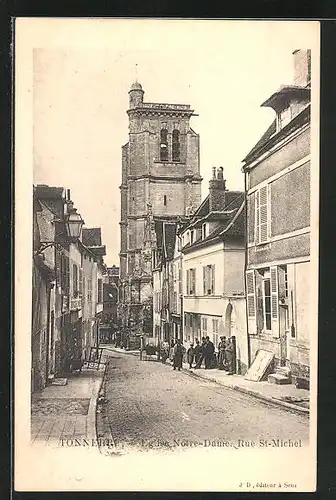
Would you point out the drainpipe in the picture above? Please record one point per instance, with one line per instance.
(245, 269)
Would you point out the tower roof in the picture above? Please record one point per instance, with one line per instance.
(136, 86)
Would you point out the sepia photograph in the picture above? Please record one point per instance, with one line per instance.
(166, 254)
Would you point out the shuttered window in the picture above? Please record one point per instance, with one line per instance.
(250, 294)
(267, 304)
(191, 281)
(262, 215)
(209, 280)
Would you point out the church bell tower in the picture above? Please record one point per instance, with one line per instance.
(160, 170)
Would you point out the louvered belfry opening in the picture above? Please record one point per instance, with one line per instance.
(176, 145)
(164, 144)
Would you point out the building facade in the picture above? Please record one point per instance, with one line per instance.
(160, 182)
(277, 177)
(213, 248)
(66, 301)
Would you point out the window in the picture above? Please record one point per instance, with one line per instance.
(175, 302)
(208, 280)
(267, 303)
(65, 274)
(262, 215)
(191, 281)
(204, 231)
(100, 291)
(164, 144)
(192, 236)
(270, 301)
(284, 117)
(176, 145)
(204, 327)
(215, 325)
(164, 200)
(89, 289)
(74, 280)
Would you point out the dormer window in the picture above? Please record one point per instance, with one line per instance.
(204, 231)
(164, 144)
(176, 145)
(284, 117)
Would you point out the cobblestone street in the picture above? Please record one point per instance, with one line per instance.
(148, 405)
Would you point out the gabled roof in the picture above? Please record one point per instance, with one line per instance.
(272, 137)
(232, 225)
(45, 192)
(263, 140)
(91, 237)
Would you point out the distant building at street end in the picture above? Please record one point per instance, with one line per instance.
(278, 184)
(111, 296)
(160, 182)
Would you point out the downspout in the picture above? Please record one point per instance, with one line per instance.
(245, 269)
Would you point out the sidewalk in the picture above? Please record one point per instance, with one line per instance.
(286, 396)
(65, 412)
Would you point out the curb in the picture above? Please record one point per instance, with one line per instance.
(131, 353)
(91, 417)
(272, 400)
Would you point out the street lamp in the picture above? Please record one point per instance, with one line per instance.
(73, 224)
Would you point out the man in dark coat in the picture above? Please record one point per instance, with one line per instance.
(221, 353)
(209, 349)
(201, 354)
(229, 355)
(179, 351)
(197, 351)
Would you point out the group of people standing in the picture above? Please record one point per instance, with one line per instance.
(199, 352)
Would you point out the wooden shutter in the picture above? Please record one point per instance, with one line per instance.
(213, 278)
(192, 272)
(58, 268)
(257, 219)
(274, 300)
(67, 275)
(187, 282)
(251, 302)
(80, 281)
(204, 281)
(263, 214)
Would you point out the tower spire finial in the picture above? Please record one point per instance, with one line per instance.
(136, 72)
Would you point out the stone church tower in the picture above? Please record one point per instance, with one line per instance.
(160, 182)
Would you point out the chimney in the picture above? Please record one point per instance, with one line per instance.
(302, 71)
(217, 187)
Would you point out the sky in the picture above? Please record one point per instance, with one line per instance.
(83, 69)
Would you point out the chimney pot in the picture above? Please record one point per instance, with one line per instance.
(214, 172)
(220, 173)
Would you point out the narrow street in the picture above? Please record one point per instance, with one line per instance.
(149, 405)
